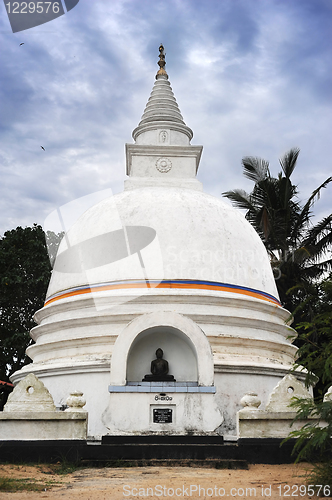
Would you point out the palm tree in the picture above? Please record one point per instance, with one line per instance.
(298, 249)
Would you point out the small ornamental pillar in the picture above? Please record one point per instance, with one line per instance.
(75, 401)
(250, 401)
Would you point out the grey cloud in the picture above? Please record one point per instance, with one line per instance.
(244, 83)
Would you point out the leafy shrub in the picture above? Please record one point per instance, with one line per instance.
(314, 439)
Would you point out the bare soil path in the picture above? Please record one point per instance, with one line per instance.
(259, 481)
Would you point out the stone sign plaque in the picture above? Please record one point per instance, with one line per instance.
(162, 415)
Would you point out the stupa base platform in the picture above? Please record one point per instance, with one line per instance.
(143, 451)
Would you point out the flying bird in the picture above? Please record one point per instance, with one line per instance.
(21, 44)
(42, 148)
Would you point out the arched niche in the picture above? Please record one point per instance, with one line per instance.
(178, 351)
(183, 332)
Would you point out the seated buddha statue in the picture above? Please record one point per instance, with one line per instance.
(159, 369)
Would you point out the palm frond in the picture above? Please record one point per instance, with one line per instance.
(288, 161)
(255, 169)
(320, 230)
(240, 199)
(316, 194)
(323, 246)
(305, 214)
(316, 270)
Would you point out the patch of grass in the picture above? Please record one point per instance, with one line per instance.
(120, 463)
(25, 484)
(64, 467)
(321, 473)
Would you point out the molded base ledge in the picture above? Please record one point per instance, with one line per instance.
(261, 424)
(162, 387)
(27, 426)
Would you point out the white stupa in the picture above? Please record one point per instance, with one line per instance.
(161, 265)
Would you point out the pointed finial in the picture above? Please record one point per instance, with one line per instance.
(161, 62)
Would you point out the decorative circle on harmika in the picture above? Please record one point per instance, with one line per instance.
(163, 165)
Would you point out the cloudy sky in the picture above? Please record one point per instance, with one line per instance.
(251, 77)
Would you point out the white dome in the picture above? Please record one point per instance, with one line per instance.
(175, 238)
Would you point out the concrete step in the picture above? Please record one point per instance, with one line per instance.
(162, 439)
(171, 450)
(160, 451)
(206, 463)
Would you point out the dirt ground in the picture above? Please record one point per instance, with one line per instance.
(260, 481)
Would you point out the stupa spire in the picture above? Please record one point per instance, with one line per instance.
(162, 154)
(162, 111)
(162, 62)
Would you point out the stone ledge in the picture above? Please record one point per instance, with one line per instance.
(43, 415)
(161, 388)
(266, 415)
(264, 424)
(43, 426)
(162, 383)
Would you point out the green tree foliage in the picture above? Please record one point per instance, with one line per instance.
(315, 336)
(314, 442)
(25, 271)
(297, 247)
(300, 254)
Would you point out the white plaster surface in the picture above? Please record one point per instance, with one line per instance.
(231, 387)
(197, 237)
(192, 413)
